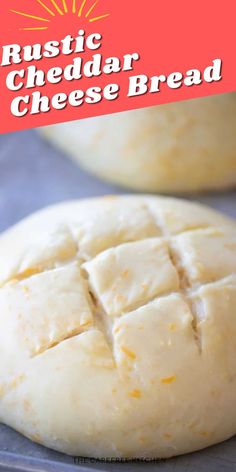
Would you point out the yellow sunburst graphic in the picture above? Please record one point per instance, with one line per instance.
(62, 7)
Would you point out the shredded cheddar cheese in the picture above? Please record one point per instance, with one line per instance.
(168, 380)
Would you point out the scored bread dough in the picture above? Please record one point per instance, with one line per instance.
(177, 147)
(118, 327)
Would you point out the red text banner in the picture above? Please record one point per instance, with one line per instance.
(62, 60)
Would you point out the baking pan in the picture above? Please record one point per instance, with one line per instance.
(17, 454)
(33, 175)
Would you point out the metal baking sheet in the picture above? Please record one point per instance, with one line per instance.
(33, 175)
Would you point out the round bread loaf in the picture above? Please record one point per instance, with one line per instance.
(118, 327)
(178, 147)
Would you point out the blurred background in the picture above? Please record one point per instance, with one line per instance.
(34, 174)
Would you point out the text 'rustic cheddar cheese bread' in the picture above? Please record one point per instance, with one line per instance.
(178, 147)
(118, 327)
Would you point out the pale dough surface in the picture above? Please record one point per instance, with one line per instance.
(179, 147)
(118, 327)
